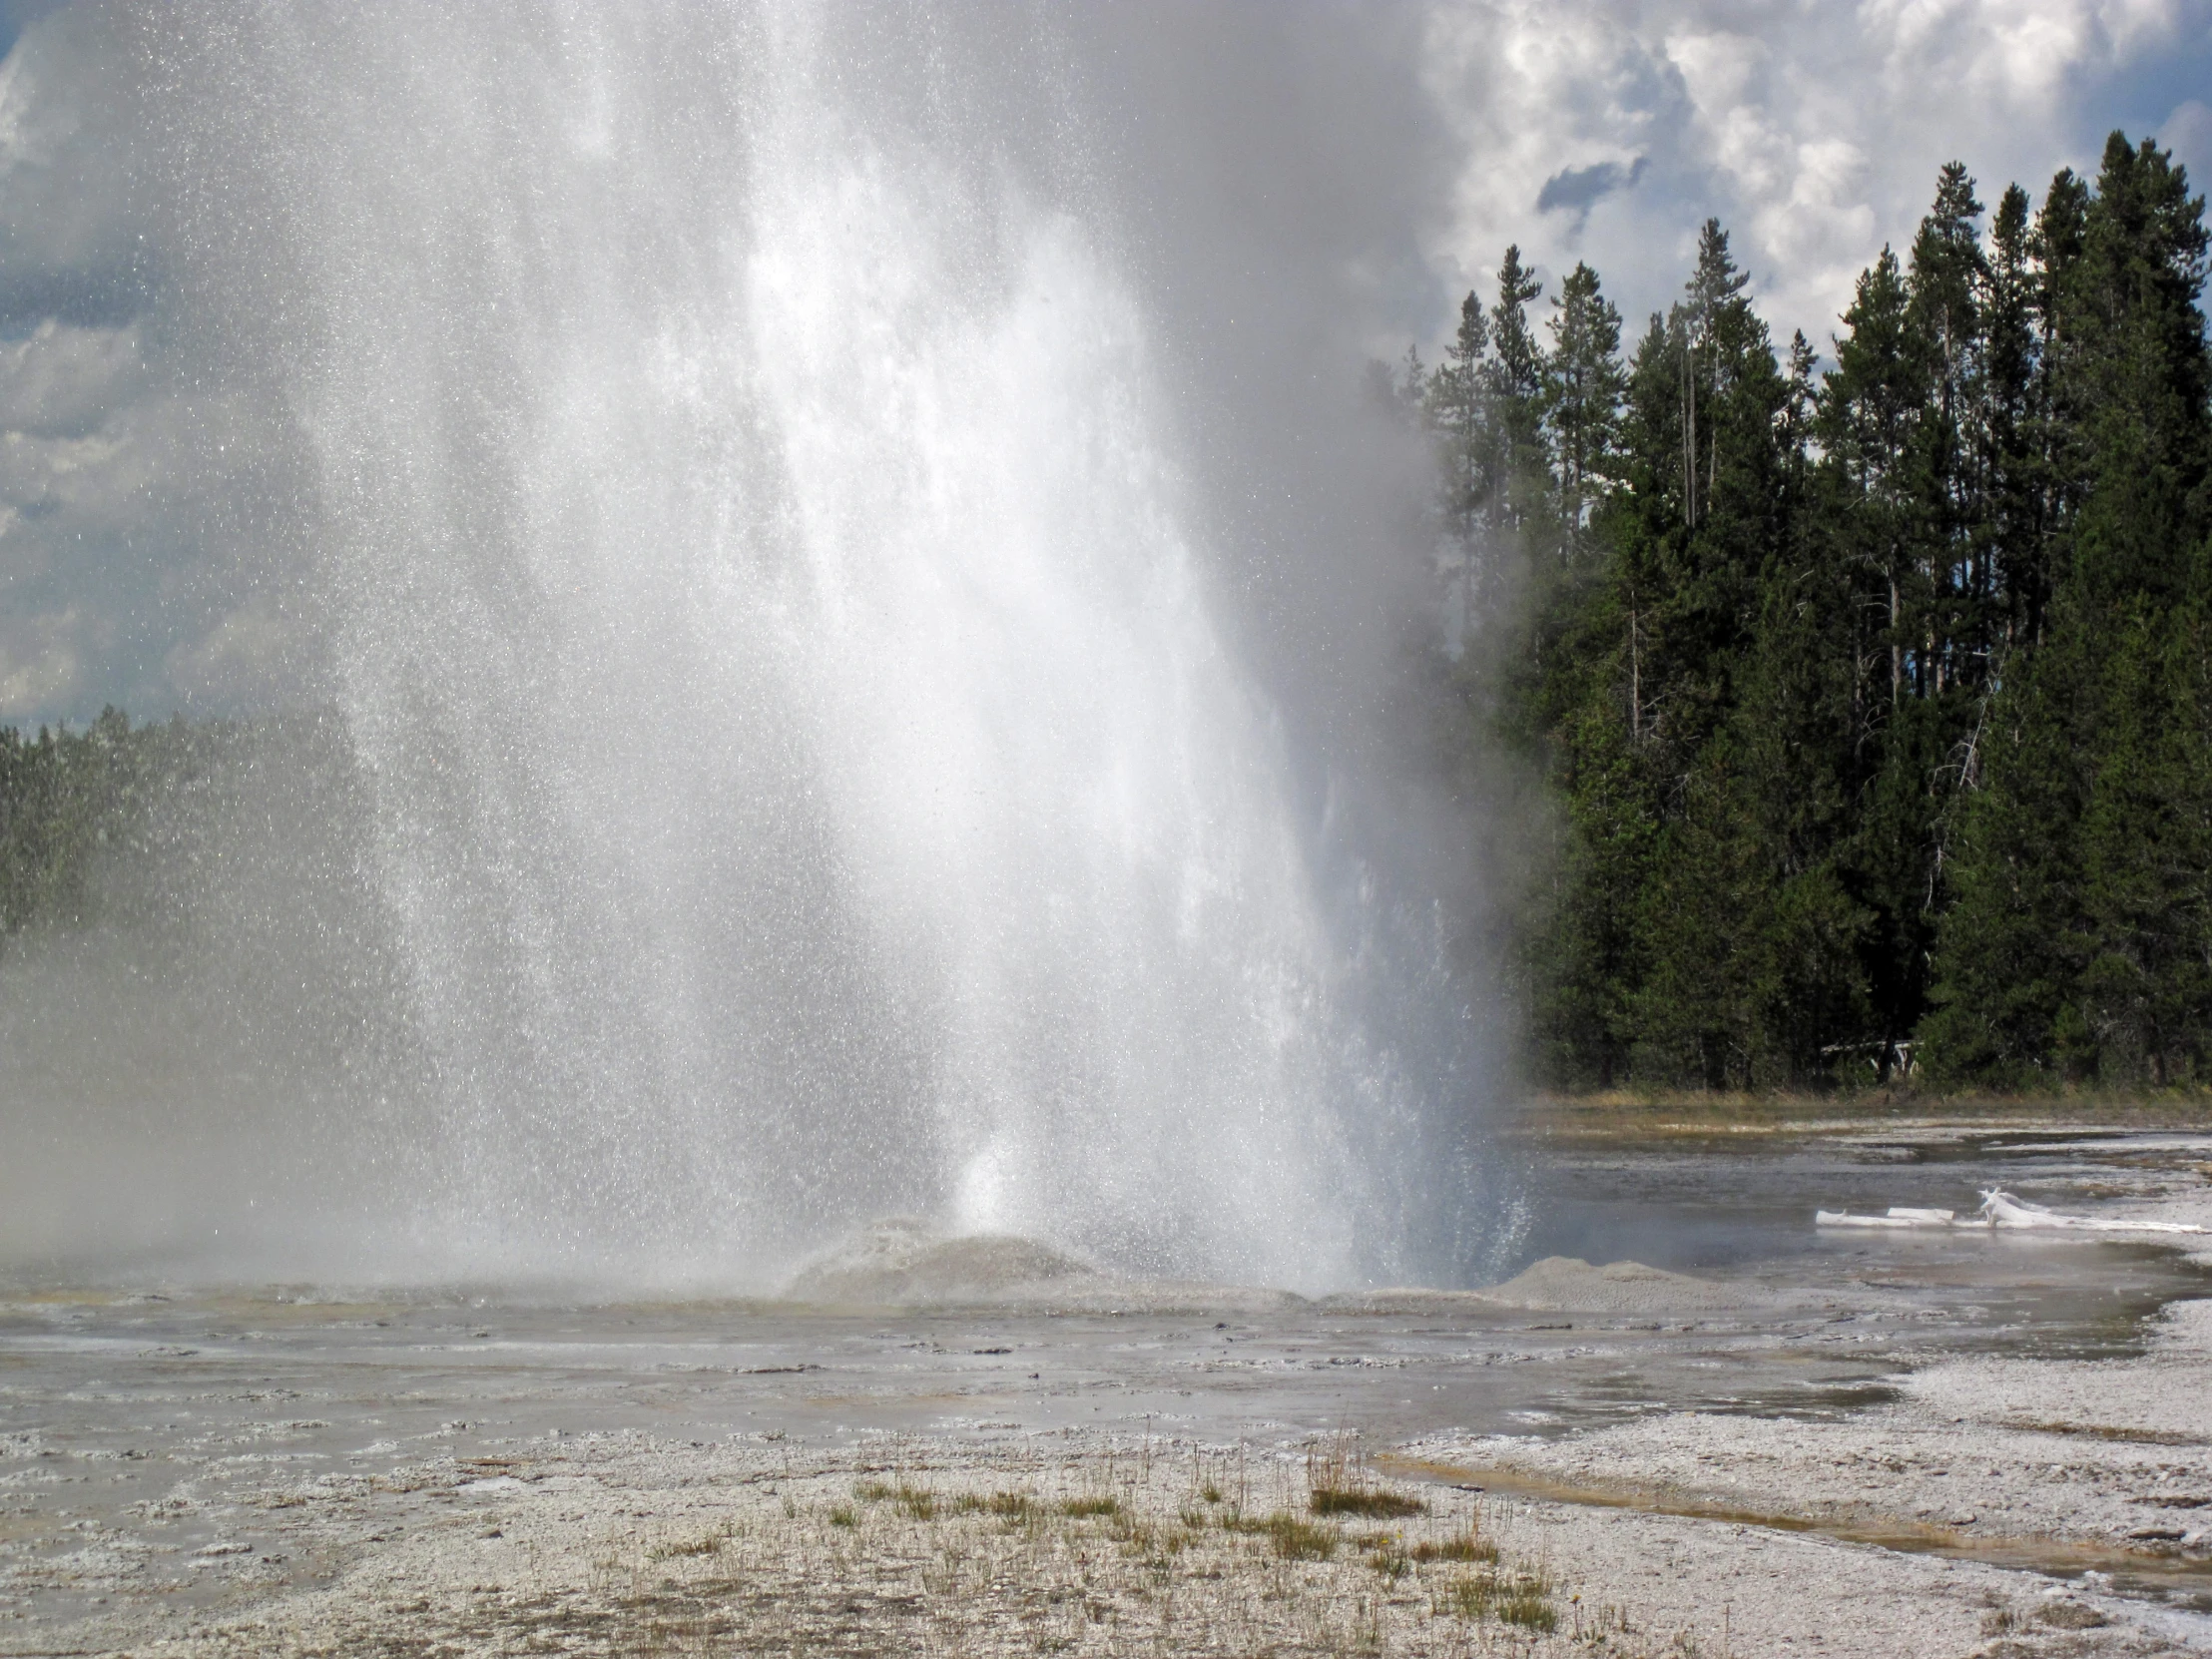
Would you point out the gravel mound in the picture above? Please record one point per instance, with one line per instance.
(901, 1262)
(1567, 1284)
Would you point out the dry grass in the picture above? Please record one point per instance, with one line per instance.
(1099, 1557)
(1045, 1552)
(1658, 1114)
(1469, 1546)
(1520, 1597)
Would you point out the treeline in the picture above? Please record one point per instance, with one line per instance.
(83, 816)
(1873, 702)
(118, 825)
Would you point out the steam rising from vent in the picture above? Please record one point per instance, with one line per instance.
(819, 754)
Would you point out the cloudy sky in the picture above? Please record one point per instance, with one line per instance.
(149, 488)
(1606, 130)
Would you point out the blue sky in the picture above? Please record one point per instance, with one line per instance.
(150, 492)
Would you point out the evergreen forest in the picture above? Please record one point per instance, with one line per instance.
(1872, 703)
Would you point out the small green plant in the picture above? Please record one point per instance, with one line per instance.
(1593, 1626)
(918, 1501)
(1473, 1596)
(843, 1514)
(1210, 1492)
(1389, 1560)
(1367, 1628)
(1529, 1609)
(1078, 1509)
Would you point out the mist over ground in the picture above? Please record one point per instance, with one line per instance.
(859, 670)
(869, 643)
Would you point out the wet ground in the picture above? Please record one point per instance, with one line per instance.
(144, 1423)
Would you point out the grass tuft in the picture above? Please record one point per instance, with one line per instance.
(1295, 1538)
(1466, 1546)
(1011, 1505)
(674, 1548)
(1370, 1501)
(1521, 1599)
(1342, 1482)
(1389, 1560)
(917, 1501)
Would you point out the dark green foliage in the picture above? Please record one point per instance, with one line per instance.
(1872, 710)
(2080, 944)
(1872, 706)
(85, 815)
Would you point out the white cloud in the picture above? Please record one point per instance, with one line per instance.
(1812, 131)
(39, 658)
(235, 661)
(62, 380)
(151, 485)
(141, 476)
(2188, 133)
(70, 217)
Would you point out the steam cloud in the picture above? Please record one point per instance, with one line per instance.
(864, 641)
(281, 365)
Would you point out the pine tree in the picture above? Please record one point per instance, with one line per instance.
(1516, 389)
(1577, 933)
(2014, 538)
(1876, 708)
(1701, 506)
(2078, 940)
(1582, 385)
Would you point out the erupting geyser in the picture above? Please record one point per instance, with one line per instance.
(812, 768)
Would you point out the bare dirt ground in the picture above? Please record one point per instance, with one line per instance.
(623, 1545)
(1888, 1446)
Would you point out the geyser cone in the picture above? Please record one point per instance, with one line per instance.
(811, 775)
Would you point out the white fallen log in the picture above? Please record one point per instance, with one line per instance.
(2004, 1210)
(1899, 1215)
(1838, 1218)
(2001, 1209)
